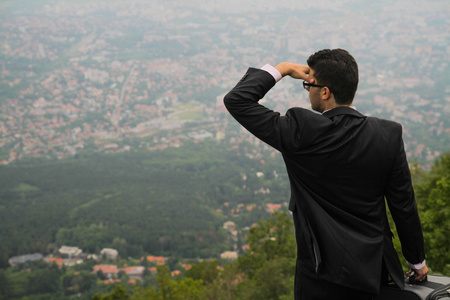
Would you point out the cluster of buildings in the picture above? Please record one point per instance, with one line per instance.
(66, 255)
(109, 273)
(96, 95)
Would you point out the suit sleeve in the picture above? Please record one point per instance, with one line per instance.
(264, 123)
(402, 205)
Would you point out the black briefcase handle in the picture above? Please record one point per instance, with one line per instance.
(412, 279)
(425, 282)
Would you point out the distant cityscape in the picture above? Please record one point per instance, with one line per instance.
(79, 77)
(109, 271)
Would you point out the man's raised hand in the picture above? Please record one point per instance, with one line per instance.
(294, 70)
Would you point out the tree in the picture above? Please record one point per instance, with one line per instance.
(211, 277)
(101, 275)
(119, 293)
(164, 282)
(433, 197)
(45, 280)
(78, 283)
(167, 289)
(432, 191)
(187, 289)
(4, 285)
(230, 279)
(270, 239)
(270, 263)
(141, 293)
(206, 271)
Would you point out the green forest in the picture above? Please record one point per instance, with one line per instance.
(157, 202)
(173, 204)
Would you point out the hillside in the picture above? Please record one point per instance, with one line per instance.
(170, 202)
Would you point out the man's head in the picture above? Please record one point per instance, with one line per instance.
(337, 70)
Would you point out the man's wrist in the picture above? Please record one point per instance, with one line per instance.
(283, 68)
(417, 266)
(272, 71)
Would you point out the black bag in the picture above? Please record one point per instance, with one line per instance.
(433, 288)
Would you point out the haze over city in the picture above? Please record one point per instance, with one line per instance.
(79, 75)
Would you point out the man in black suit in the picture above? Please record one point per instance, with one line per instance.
(342, 166)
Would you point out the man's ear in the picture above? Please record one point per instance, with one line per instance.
(326, 93)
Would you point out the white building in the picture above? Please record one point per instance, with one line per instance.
(230, 255)
(109, 253)
(70, 252)
(229, 225)
(17, 260)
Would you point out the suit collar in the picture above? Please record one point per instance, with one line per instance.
(343, 110)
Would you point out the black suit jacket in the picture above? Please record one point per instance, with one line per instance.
(342, 166)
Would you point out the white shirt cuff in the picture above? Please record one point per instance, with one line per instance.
(272, 71)
(417, 266)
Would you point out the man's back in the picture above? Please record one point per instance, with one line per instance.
(339, 167)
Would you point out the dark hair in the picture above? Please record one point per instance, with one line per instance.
(337, 70)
